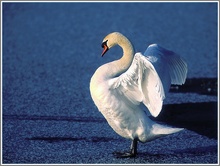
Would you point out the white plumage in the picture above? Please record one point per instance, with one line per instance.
(119, 88)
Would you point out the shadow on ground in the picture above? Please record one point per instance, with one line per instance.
(199, 117)
(206, 86)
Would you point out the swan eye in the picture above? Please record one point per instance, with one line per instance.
(104, 44)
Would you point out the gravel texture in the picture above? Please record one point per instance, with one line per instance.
(51, 50)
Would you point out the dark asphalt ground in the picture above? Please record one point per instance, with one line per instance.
(50, 51)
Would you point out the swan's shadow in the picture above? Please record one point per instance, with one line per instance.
(199, 117)
(71, 139)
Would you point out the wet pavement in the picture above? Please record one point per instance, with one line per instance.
(51, 50)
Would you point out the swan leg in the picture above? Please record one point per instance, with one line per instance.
(132, 153)
(134, 147)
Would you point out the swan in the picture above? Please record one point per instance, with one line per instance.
(122, 87)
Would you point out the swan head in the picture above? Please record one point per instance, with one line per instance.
(111, 40)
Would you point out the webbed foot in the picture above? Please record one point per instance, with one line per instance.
(132, 153)
(124, 154)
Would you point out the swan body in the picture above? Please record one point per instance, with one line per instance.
(120, 88)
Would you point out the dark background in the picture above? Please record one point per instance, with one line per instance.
(51, 50)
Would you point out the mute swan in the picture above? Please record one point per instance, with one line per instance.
(119, 88)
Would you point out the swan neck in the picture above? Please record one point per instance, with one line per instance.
(117, 67)
(125, 61)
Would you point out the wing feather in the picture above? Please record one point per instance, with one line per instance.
(176, 65)
(141, 83)
(149, 77)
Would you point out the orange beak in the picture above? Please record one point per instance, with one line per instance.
(105, 48)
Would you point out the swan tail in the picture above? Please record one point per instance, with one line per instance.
(157, 131)
(162, 130)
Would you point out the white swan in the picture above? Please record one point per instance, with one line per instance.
(119, 88)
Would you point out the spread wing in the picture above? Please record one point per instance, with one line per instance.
(141, 83)
(149, 77)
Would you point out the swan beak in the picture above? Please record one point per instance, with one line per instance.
(105, 48)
